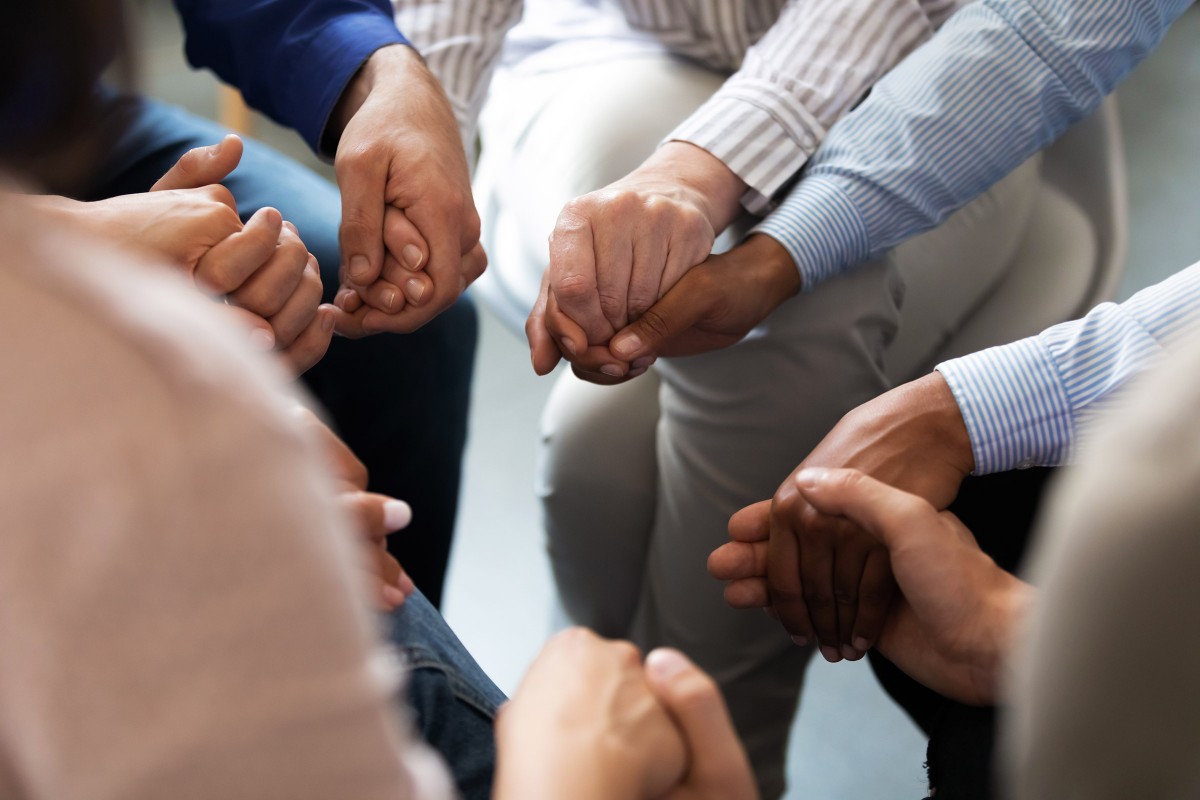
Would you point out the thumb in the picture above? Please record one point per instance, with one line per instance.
(717, 766)
(887, 513)
(202, 166)
(675, 312)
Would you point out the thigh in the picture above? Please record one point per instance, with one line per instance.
(596, 482)
(453, 700)
(734, 424)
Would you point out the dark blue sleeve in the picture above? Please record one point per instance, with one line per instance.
(291, 58)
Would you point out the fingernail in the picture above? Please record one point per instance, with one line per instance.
(360, 268)
(412, 257)
(262, 340)
(326, 319)
(214, 150)
(396, 515)
(611, 370)
(645, 362)
(810, 476)
(666, 662)
(388, 298)
(627, 344)
(342, 297)
(861, 644)
(414, 289)
(567, 346)
(830, 654)
(850, 654)
(800, 641)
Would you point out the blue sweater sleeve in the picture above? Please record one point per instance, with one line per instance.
(291, 58)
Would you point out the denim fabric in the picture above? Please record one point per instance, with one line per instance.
(399, 401)
(454, 701)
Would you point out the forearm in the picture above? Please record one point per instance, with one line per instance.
(999, 82)
(1027, 403)
(770, 116)
(461, 42)
(292, 59)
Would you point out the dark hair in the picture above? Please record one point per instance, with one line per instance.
(51, 54)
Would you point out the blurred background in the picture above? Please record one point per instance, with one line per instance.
(849, 740)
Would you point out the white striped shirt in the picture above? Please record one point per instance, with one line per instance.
(1001, 80)
(796, 65)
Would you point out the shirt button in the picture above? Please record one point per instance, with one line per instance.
(1025, 463)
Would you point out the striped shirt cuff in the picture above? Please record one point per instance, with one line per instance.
(830, 236)
(764, 135)
(1014, 404)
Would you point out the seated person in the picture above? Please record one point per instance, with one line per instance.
(181, 611)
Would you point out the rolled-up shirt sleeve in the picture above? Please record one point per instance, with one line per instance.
(1030, 403)
(813, 65)
(291, 59)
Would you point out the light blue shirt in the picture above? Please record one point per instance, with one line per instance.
(1000, 81)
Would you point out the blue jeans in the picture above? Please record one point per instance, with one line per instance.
(454, 701)
(399, 401)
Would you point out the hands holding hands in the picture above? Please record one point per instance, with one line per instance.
(628, 262)
(410, 232)
(590, 720)
(958, 614)
(262, 268)
(827, 577)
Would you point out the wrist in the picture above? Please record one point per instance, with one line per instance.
(382, 70)
(946, 428)
(1008, 606)
(701, 177)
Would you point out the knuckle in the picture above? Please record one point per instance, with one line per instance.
(654, 324)
(845, 595)
(818, 599)
(574, 287)
(611, 304)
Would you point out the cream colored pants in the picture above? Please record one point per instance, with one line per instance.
(638, 481)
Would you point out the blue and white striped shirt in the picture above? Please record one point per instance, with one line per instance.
(1000, 81)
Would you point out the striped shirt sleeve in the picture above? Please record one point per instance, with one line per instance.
(1030, 403)
(461, 42)
(996, 84)
(813, 65)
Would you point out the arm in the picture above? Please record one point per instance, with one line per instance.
(997, 83)
(1026, 403)
(769, 117)
(292, 59)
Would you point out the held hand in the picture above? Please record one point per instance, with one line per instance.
(718, 767)
(960, 611)
(585, 724)
(614, 252)
(713, 306)
(375, 515)
(398, 147)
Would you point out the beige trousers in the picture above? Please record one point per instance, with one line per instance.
(638, 481)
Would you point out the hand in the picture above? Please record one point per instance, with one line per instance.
(398, 146)
(827, 578)
(961, 612)
(713, 306)
(585, 724)
(614, 252)
(375, 515)
(717, 766)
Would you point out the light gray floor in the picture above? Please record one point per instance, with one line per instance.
(850, 741)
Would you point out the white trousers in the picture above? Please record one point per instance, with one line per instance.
(638, 481)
